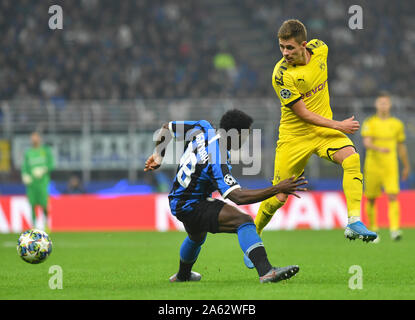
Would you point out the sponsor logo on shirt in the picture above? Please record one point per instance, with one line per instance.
(318, 88)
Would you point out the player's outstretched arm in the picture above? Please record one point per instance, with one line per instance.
(288, 186)
(163, 138)
(349, 125)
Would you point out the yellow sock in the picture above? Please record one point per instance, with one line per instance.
(266, 211)
(352, 184)
(372, 214)
(394, 215)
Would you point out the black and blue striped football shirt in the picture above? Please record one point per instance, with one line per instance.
(204, 167)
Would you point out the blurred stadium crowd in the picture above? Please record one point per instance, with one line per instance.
(134, 58)
(179, 48)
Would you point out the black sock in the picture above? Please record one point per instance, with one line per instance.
(184, 270)
(259, 258)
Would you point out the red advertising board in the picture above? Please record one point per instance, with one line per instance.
(315, 210)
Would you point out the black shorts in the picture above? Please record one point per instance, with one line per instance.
(204, 217)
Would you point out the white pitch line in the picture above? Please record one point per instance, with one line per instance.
(9, 244)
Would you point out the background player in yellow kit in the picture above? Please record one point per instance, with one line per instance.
(306, 125)
(384, 139)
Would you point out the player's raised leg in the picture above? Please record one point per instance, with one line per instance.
(290, 160)
(233, 220)
(268, 207)
(353, 191)
(267, 210)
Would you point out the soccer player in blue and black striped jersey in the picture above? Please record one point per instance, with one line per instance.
(203, 169)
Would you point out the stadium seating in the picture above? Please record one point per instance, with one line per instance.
(147, 49)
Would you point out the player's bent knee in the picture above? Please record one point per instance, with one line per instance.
(230, 218)
(352, 162)
(341, 155)
(245, 218)
(198, 238)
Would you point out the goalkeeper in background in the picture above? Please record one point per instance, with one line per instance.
(384, 140)
(37, 165)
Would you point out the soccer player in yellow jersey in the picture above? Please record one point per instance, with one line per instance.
(306, 125)
(384, 139)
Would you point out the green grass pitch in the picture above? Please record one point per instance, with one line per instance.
(137, 265)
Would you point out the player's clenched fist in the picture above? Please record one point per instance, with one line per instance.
(349, 125)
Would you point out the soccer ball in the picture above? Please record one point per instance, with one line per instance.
(34, 246)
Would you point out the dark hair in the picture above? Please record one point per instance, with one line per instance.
(383, 94)
(293, 29)
(235, 119)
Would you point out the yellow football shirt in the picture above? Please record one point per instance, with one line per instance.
(308, 82)
(385, 133)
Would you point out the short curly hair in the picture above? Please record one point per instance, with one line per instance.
(235, 119)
